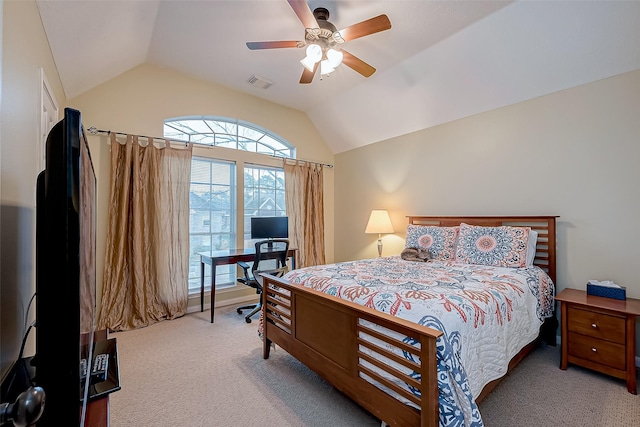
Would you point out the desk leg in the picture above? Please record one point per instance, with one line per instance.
(213, 288)
(201, 285)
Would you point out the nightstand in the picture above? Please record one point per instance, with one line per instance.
(599, 333)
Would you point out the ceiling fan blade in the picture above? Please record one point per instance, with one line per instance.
(357, 64)
(301, 8)
(364, 28)
(274, 45)
(307, 76)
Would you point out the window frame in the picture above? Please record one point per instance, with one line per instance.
(279, 209)
(240, 158)
(194, 259)
(239, 135)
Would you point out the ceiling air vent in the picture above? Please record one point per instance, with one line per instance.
(259, 82)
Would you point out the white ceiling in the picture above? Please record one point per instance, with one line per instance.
(440, 61)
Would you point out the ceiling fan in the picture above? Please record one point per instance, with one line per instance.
(322, 41)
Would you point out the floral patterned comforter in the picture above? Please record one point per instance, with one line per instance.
(487, 314)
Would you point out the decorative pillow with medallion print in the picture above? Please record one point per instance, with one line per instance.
(439, 241)
(503, 246)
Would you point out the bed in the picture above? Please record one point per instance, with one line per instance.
(369, 339)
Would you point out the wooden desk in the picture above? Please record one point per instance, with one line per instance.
(231, 256)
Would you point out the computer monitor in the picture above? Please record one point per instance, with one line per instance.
(269, 227)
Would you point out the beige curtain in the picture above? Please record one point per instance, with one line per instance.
(305, 209)
(147, 258)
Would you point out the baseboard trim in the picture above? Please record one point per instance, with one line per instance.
(227, 302)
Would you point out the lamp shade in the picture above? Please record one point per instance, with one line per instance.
(379, 222)
(325, 67)
(314, 54)
(334, 57)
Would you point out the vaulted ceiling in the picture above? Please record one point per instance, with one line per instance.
(440, 61)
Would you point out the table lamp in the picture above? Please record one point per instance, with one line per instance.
(379, 222)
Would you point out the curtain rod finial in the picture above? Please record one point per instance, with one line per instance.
(94, 131)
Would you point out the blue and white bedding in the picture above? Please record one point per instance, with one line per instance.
(487, 314)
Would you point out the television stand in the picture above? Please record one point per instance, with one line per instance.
(97, 414)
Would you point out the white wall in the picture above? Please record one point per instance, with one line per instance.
(25, 50)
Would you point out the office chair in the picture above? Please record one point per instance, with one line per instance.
(270, 258)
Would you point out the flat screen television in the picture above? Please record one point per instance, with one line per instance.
(269, 227)
(65, 272)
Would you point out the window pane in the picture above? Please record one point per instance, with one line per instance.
(247, 145)
(261, 198)
(228, 133)
(222, 223)
(220, 197)
(197, 126)
(219, 126)
(203, 139)
(211, 219)
(200, 171)
(273, 143)
(251, 202)
(200, 221)
(281, 202)
(184, 126)
(171, 133)
(250, 133)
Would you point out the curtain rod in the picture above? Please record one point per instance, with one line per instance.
(94, 131)
(288, 159)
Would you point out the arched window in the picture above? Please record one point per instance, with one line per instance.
(228, 132)
(217, 202)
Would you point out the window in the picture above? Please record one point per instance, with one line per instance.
(263, 195)
(215, 197)
(229, 133)
(212, 217)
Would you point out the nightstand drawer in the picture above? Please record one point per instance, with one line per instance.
(596, 350)
(597, 325)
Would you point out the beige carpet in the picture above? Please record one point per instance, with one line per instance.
(188, 372)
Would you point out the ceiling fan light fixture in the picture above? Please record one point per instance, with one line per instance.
(314, 54)
(334, 57)
(325, 67)
(309, 64)
(320, 39)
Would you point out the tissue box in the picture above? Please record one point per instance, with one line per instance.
(607, 291)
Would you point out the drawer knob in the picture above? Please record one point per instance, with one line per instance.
(594, 326)
(595, 350)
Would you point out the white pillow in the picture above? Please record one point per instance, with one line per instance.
(531, 247)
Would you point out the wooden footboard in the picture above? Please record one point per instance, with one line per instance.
(327, 334)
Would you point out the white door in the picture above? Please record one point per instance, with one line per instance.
(48, 117)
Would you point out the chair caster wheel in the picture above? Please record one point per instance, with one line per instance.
(239, 311)
(247, 320)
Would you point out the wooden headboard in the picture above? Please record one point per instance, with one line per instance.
(545, 226)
